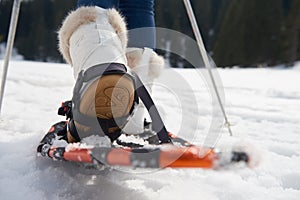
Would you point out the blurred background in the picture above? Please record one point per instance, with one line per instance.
(244, 33)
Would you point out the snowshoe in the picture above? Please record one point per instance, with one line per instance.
(136, 151)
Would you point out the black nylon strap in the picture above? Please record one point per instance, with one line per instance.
(93, 121)
(157, 123)
(141, 92)
(102, 70)
(73, 130)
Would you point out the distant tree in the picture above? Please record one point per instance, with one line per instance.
(5, 11)
(210, 14)
(290, 41)
(235, 32)
(250, 34)
(38, 22)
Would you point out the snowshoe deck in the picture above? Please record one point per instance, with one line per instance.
(179, 154)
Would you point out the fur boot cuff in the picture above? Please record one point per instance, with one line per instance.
(86, 15)
(145, 60)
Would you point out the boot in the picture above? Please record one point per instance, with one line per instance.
(148, 66)
(93, 41)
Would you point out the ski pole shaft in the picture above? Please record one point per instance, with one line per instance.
(205, 58)
(10, 42)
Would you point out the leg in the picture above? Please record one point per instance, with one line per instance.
(140, 56)
(100, 3)
(139, 14)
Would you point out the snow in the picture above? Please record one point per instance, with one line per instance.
(262, 104)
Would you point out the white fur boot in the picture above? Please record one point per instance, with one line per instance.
(148, 66)
(91, 36)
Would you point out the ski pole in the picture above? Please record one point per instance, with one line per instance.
(10, 42)
(205, 58)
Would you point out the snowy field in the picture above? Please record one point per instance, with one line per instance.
(263, 106)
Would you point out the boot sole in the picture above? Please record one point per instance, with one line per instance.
(111, 96)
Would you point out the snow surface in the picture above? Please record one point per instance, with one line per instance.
(263, 105)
